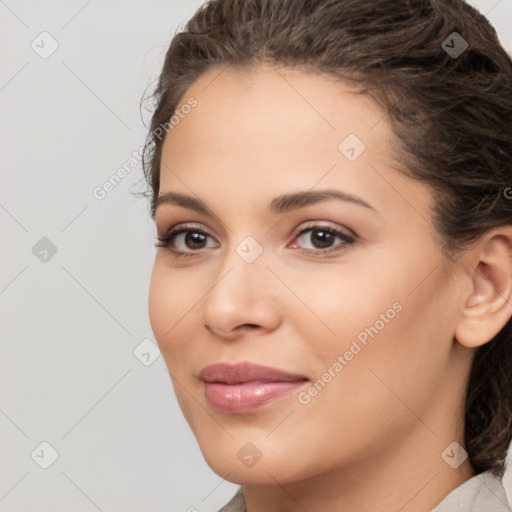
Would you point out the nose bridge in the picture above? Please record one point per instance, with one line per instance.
(242, 291)
(242, 271)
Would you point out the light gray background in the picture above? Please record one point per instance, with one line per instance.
(71, 324)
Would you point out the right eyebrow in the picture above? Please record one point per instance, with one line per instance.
(185, 201)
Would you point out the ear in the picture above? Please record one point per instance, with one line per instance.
(487, 306)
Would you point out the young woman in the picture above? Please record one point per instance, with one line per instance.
(331, 182)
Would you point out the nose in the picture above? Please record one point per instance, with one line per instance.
(243, 298)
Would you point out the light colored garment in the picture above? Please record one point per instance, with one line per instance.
(482, 493)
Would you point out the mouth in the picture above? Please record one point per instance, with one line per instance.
(245, 387)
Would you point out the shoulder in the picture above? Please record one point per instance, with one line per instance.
(236, 504)
(481, 493)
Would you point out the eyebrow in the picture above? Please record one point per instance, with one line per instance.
(281, 204)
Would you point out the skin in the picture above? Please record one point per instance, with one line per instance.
(372, 438)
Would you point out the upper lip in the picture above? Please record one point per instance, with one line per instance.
(245, 372)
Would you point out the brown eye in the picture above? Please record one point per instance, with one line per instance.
(194, 240)
(185, 241)
(322, 239)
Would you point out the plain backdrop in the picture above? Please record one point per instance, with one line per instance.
(88, 416)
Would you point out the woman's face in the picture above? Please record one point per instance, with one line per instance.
(359, 310)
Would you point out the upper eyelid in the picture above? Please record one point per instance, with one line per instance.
(324, 224)
(308, 224)
(178, 229)
(346, 239)
(186, 226)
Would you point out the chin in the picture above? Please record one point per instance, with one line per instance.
(260, 474)
(234, 464)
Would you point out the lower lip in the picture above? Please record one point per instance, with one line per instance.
(248, 396)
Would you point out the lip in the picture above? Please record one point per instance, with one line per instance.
(245, 387)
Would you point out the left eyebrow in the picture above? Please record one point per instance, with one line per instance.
(281, 204)
(289, 202)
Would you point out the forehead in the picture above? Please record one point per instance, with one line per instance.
(268, 98)
(267, 117)
(255, 134)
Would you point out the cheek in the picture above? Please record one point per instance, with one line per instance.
(158, 304)
(339, 305)
(170, 313)
(402, 359)
(382, 318)
(170, 302)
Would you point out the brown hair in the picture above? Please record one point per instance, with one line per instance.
(451, 114)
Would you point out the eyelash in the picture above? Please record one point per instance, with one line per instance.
(173, 233)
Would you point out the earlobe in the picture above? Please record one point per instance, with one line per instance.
(488, 305)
